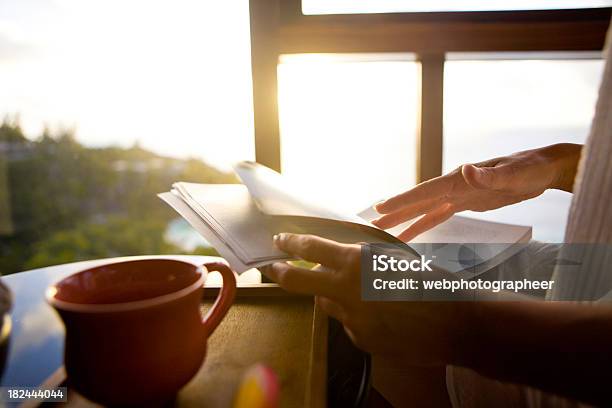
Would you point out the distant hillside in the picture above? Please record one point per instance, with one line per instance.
(62, 202)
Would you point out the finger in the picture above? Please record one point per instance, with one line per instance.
(312, 248)
(405, 214)
(495, 178)
(332, 308)
(434, 188)
(300, 280)
(427, 222)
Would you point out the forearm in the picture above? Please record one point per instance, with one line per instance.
(564, 158)
(563, 348)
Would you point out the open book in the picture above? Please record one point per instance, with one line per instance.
(239, 220)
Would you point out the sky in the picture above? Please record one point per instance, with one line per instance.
(175, 77)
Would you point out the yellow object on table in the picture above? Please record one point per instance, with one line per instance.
(259, 388)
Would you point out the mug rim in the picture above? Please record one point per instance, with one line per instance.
(51, 291)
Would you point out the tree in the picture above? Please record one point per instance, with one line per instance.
(69, 202)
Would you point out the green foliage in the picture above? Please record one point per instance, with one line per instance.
(114, 237)
(209, 251)
(68, 202)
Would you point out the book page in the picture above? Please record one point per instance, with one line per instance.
(459, 230)
(275, 196)
(226, 215)
(340, 231)
(229, 210)
(204, 230)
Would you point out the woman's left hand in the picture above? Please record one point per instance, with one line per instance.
(420, 333)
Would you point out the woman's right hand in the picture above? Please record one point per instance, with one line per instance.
(481, 187)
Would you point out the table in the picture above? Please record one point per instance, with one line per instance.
(281, 323)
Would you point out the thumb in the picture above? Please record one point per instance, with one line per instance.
(483, 177)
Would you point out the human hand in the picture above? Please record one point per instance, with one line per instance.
(481, 187)
(417, 333)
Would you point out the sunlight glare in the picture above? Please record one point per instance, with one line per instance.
(348, 128)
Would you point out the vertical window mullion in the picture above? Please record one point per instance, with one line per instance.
(430, 131)
(264, 17)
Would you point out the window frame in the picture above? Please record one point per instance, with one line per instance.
(279, 27)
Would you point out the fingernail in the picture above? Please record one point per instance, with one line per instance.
(278, 239)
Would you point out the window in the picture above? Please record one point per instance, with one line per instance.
(356, 115)
(497, 107)
(104, 105)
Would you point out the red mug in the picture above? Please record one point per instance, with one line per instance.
(134, 332)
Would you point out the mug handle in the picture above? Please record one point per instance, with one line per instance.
(225, 298)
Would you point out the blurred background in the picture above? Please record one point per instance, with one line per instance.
(106, 103)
